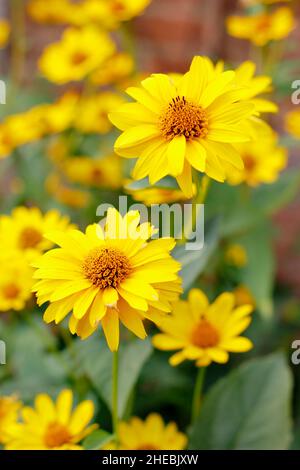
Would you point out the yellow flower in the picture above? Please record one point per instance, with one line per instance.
(263, 160)
(104, 172)
(263, 27)
(243, 296)
(66, 195)
(106, 276)
(192, 122)
(92, 112)
(75, 55)
(150, 434)
(203, 332)
(116, 69)
(236, 255)
(52, 11)
(59, 116)
(292, 123)
(23, 230)
(4, 32)
(156, 195)
(15, 282)
(52, 425)
(9, 408)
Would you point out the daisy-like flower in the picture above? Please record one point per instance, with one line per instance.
(24, 229)
(263, 160)
(292, 123)
(52, 425)
(115, 70)
(106, 276)
(75, 55)
(177, 124)
(150, 434)
(15, 280)
(262, 28)
(9, 410)
(204, 333)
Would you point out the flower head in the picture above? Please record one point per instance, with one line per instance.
(9, 410)
(262, 28)
(52, 425)
(203, 332)
(177, 124)
(292, 123)
(104, 276)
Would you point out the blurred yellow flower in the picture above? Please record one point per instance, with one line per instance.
(75, 55)
(24, 229)
(64, 194)
(203, 332)
(52, 11)
(59, 116)
(106, 276)
(114, 70)
(173, 127)
(9, 409)
(92, 112)
(292, 123)
(236, 255)
(15, 282)
(103, 172)
(150, 434)
(262, 28)
(243, 296)
(263, 161)
(52, 425)
(4, 32)
(155, 195)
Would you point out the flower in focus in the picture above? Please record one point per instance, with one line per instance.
(52, 425)
(192, 122)
(64, 194)
(104, 172)
(9, 409)
(106, 276)
(15, 281)
(263, 27)
(243, 296)
(236, 255)
(263, 161)
(75, 55)
(116, 69)
(204, 332)
(23, 230)
(4, 32)
(150, 434)
(292, 123)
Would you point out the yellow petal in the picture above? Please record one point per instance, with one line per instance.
(110, 324)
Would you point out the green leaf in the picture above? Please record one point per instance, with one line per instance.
(194, 262)
(248, 409)
(94, 359)
(97, 440)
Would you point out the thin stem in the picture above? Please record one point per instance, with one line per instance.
(115, 370)
(197, 394)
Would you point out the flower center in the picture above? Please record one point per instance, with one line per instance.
(184, 118)
(205, 335)
(56, 435)
(249, 162)
(29, 238)
(78, 58)
(10, 291)
(106, 267)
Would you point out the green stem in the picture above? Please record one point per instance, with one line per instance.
(115, 418)
(197, 394)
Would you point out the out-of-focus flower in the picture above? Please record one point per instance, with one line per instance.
(243, 296)
(173, 127)
(156, 195)
(4, 32)
(103, 172)
(64, 194)
(59, 115)
(263, 161)
(236, 255)
(204, 332)
(108, 275)
(15, 282)
(52, 425)
(75, 55)
(150, 434)
(116, 69)
(92, 112)
(9, 409)
(52, 11)
(292, 123)
(24, 229)
(263, 27)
